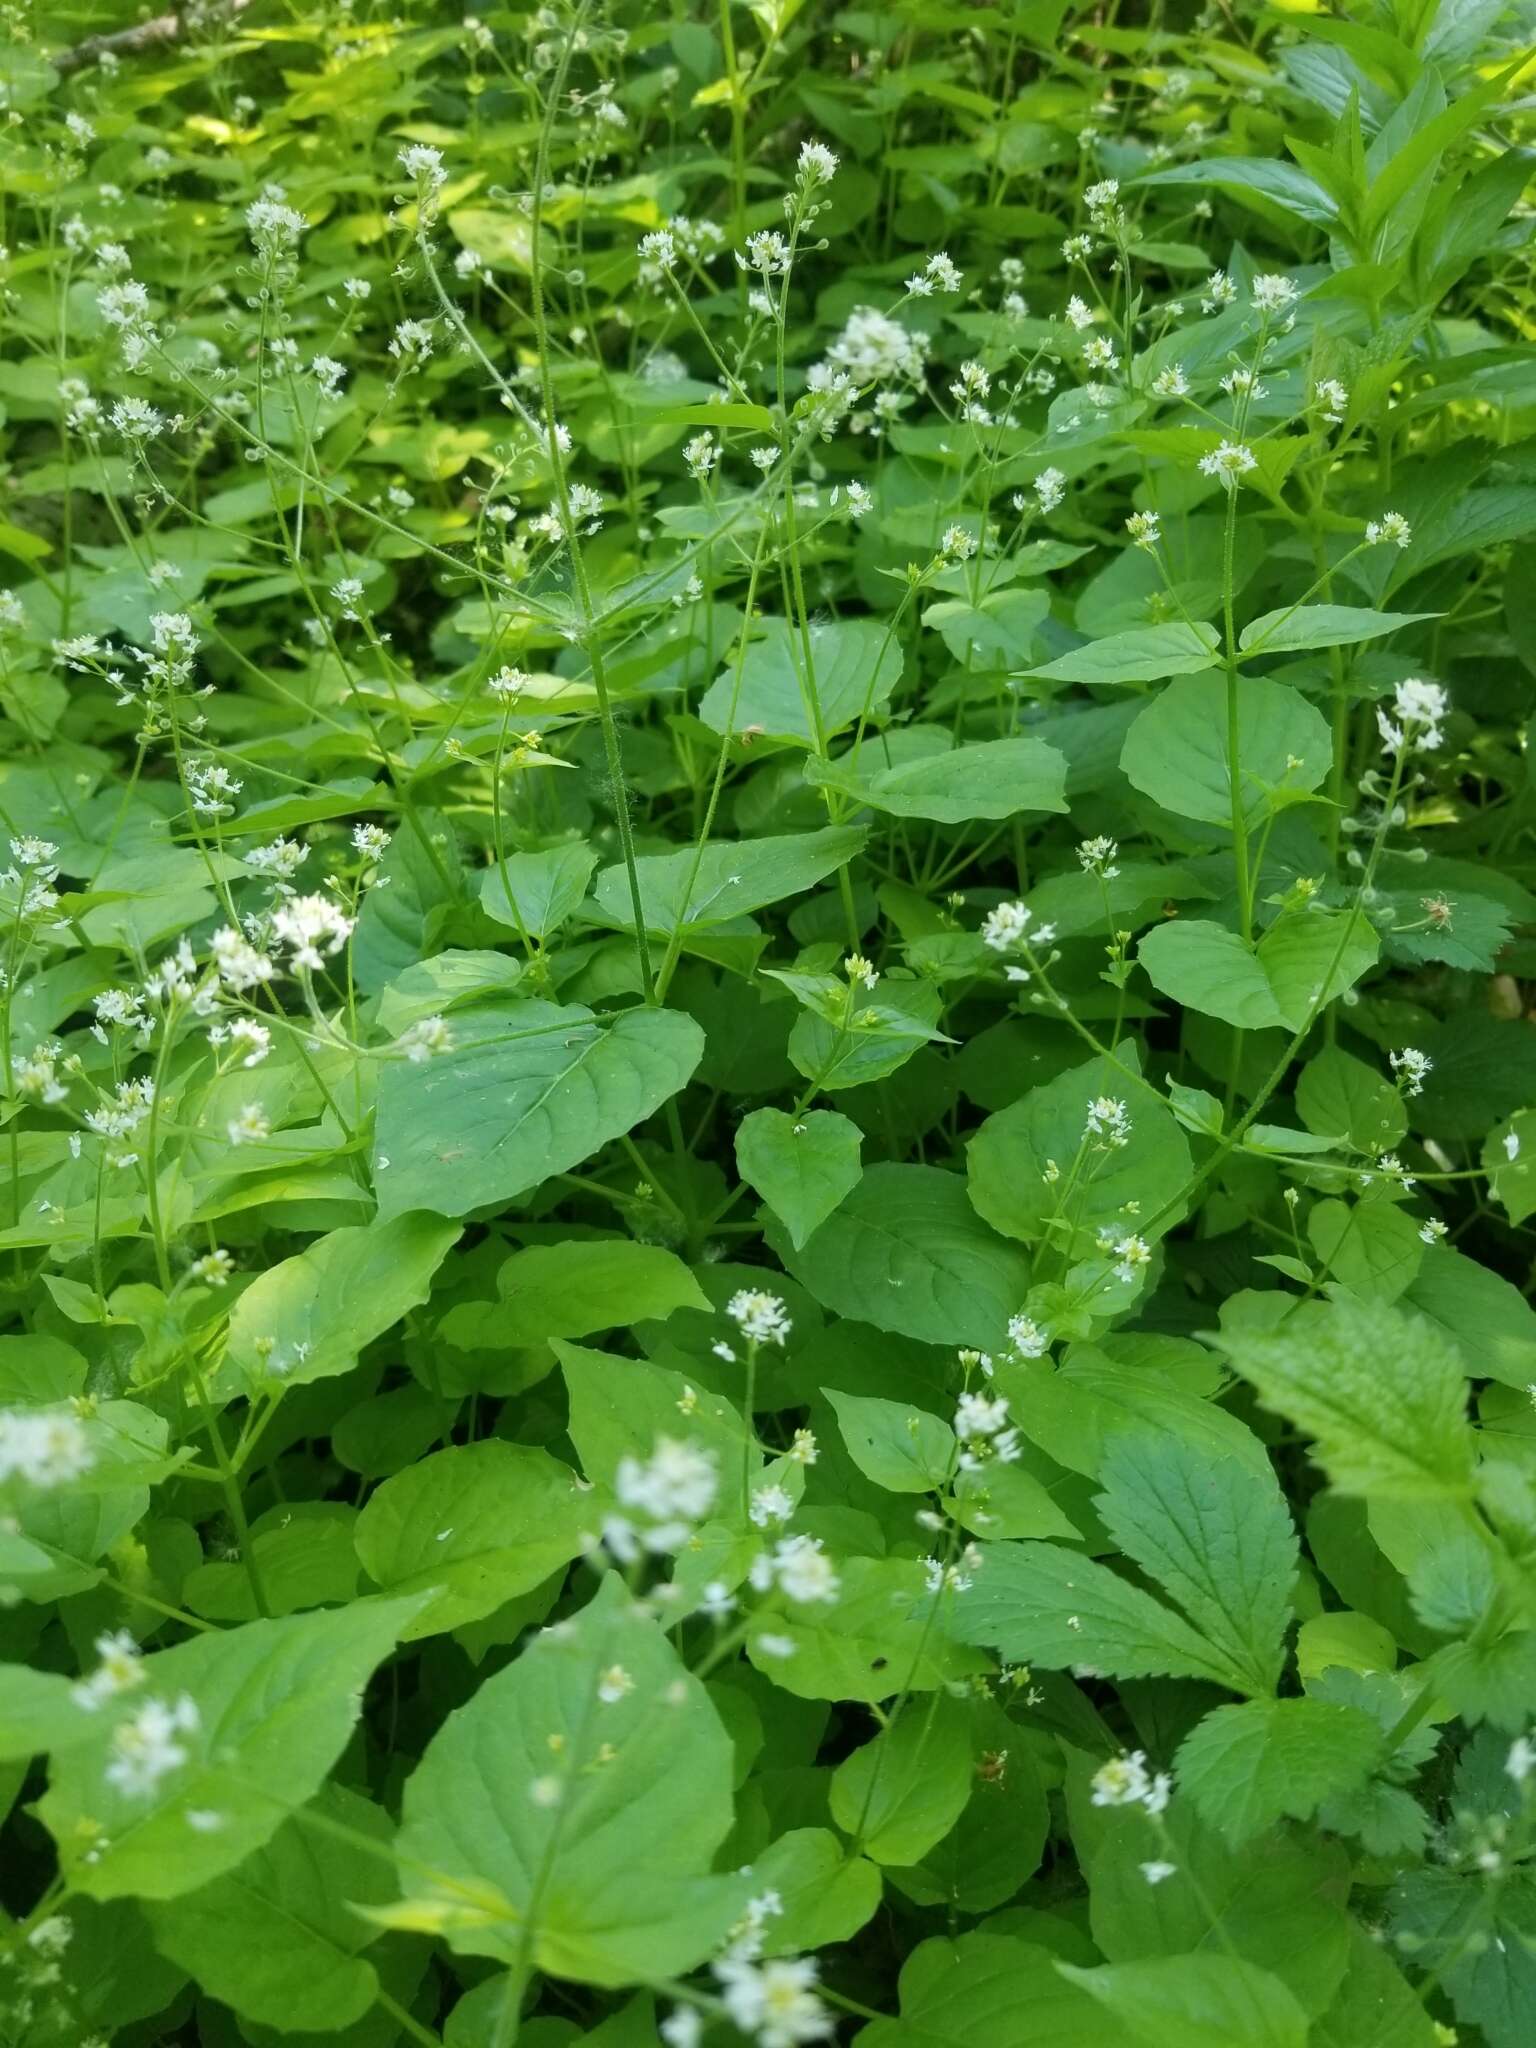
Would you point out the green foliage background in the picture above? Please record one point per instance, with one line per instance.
(764, 1210)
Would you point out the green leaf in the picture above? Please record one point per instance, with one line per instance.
(476, 1525)
(1290, 630)
(1196, 2001)
(1373, 1248)
(691, 891)
(920, 773)
(802, 1166)
(1037, 1603)
(571, 1809)
(902, 1449)
(572, 1289)
(827, 1893)
(854, 666)
(1144, 655)
(988, 1988)
(308, 1317)
(37, 1713)
(1009, 1161)
(1479, 1941)
(1300, 964)
(275, 1703)
(996, 1845)
(1381, 1393)
(1000, 624)
(1220, 1545)
(1341, 1097)
(536, 892)
(878, 1638)
(903, 1792)
(907, 1252)
(1247, 1767)
(620, 1406)
(278, 1938)
(535, 1090)
(1176, 752)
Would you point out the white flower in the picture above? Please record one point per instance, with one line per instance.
(1156, 1871)
(1170, 383)
(240, 965)
(775, 2002)
(1079, 313)
(1098, 855)
(1123, 1781)
(250, 1127)
(1412, 1068)
(1419, 705)
(767, 253)
(411, 343)
(1145, 529)
(678, 1482)
(1219, 291)
(311, 927)
(858, 498)
(682, 2028)
(1331, 399)
(873, 348)
(1050, 489)
(982, 1426)
(44, 1446)
(801, 1569)
(1521, 1760)
(658, 248)
(1132, 1253)
(938, 274)
(700, 456)
(1099, 353)
(1274, 293)
(614, 1684)
(371, 841)
(1227, 462)
(770, 1503)
(1005, 926)
(759, 1316)
(147, 1746)
(1391, 527)
(424, 165)
(1431, 1231)
(1028, 1338)
(817, 165)
(424, 1039)
(1108, 1119)
(136, 420)
(120, 1669)
(1511, 1146)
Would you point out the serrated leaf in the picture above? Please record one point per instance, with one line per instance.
(1247, 1767)
(1381, 1393)
(1219, 1544)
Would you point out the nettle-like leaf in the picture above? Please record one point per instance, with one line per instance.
(1248, 1767)
(1382, 1394)
(569, 1813)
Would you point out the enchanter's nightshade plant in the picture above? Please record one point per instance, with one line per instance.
(766, 1052)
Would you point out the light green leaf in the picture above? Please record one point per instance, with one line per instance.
(1037, 1603)
(1218, 1543)
(1373, 1248)
(1312, 956)
(802, 1166)
(901, 1793)
(1205, 967)
(878, 1638)
(620, 1406)
(308, 1317)
(476, 1524)
(1176, 752)
(274, 1702)
(532, 1090)
(856, 665)
(903, 1449)
(1000, 625)
(548, 1818)
(536, 892)
(690, 891)
(278, 1938)
(1248, 1767)
(827, 1893)
(1009, 1159)
(920, 773)
(572, 1289)
(907, 1252)
(1290, 630)
(1196, 2001)
(1340, 1097)
(990, 1988)
(1144, 655)
(1382, 1394)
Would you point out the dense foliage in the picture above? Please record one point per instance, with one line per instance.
(767, 1108)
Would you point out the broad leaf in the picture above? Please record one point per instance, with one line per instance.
(1176, 752)
(802, 1166)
